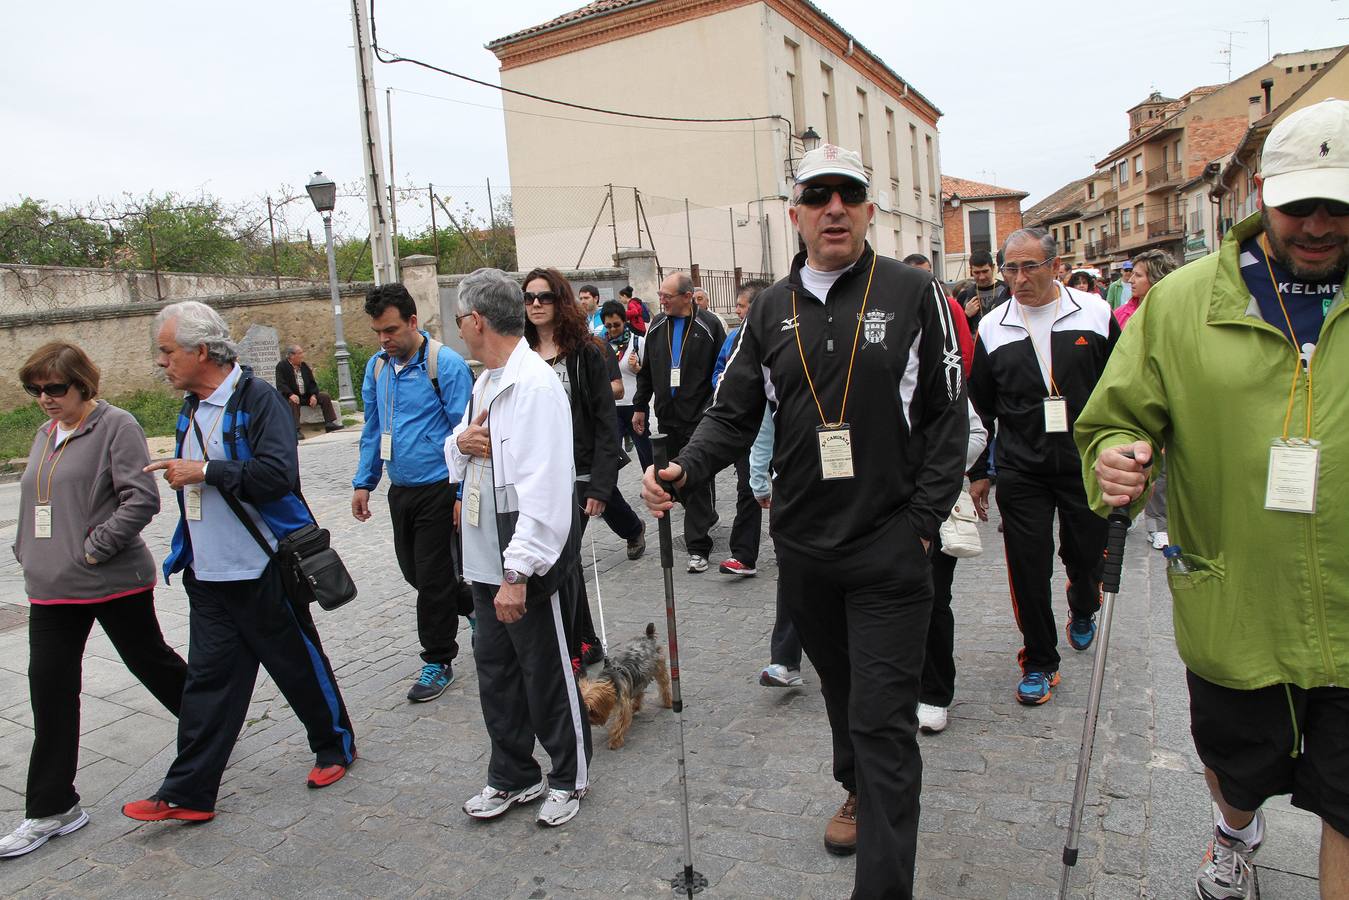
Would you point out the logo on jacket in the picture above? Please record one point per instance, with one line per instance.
(874, 322)
(1081, 342)
(789, 323)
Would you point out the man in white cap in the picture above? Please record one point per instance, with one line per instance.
(1231, 366)
(856, 356)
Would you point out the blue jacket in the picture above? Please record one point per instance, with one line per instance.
(420, 420)
(727, 346)
(261, 465)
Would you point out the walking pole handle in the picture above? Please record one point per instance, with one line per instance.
(661, 458)
(1118, 525)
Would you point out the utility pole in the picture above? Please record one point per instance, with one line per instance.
(393, 178)
(381, 246)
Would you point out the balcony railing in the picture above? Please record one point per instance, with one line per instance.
(1109, 242)
(1166, 227)
(1163, 175)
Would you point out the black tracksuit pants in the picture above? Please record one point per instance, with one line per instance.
(699, 516)
(939, 662)
(57, 633)
(748, 524)
(862, 621)
(234, 626)
(528, 691)
(1027, 503)
(425, 544)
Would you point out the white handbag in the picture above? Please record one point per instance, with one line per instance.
(960, 533)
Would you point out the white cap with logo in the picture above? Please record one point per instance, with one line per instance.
(829, 159)
(1307, 155)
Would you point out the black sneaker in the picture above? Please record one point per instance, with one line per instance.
(431, 683)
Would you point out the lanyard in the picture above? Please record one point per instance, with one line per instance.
(197, 430)
(1297, 352)
(1048, 363)
(847, 386)
(55, 458)
(683, 341)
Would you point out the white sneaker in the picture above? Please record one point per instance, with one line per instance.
(560, 807)
(33, 833)
(697, 564)
(778, 675)
(492, 802)
(931, 719)
(1227, 872)
(1160, 540)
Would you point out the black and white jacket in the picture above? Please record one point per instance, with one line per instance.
(704, 335)
(1008, 388)
(906, 406)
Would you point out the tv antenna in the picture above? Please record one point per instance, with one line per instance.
(1225, 52)
(1269, 53)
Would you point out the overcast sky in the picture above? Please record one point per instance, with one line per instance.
(238, 99)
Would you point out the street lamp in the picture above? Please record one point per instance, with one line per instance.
(323, 191)
(809, 139)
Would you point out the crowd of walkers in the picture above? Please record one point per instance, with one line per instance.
(856, 401)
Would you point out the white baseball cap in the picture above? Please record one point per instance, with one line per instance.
(1307, 155)
(829, 159)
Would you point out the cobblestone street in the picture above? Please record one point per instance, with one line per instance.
(997, 785)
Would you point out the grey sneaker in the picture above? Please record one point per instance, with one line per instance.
(697, 564)
(492, 802)
(778, 675)
(33, 833)
(1227, 872)
(560, 807)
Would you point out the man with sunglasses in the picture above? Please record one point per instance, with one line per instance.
(857, 358)
(1232, 365)
(1036, 360)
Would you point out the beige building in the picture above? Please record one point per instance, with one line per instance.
(781, 61)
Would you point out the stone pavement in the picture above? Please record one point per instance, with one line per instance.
(996, 789)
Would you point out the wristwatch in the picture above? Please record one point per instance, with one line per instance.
(514, 577)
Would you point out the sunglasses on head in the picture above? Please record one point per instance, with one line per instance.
(849, 192)
(544, 297)
(54, 391)
(1302, 208)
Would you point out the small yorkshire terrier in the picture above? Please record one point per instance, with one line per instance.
(627, 672)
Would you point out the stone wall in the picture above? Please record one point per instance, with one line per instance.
(35, 289)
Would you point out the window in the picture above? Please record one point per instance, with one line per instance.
(981, 234)
(1138, 164)
(1138, 216)
(913, 157)
(830, 110)
(794, 84)
(891, 148)
(899, 243)
(1091, 235)
(1091, 190)
(931, 168)
(1125, 221)
(1123, 172)
(863, 129)
(1079, 230)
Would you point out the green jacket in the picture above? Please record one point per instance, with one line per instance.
(1200, 373)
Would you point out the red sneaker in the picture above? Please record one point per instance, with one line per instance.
(322, 776)
(736, 567)
(156, 810)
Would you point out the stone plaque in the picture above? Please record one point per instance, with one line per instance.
(260, 350)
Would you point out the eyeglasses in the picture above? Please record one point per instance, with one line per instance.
(545, 297)
(1300, 209)
(458, 320)
(1011, 270)
(661, 295)
(55, 391)
(849, 192)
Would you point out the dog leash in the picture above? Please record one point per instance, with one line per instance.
(599, 597)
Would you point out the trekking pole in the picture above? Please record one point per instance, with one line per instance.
(687, 882)
(1118, 525)
(599, 598)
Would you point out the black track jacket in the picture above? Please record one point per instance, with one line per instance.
(1006, 383)
(703, 336)
(906, 406)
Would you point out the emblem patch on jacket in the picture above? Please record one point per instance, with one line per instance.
(874, 323)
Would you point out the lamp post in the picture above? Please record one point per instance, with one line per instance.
(323, 191)
(809, 139)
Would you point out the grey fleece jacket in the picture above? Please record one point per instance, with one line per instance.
(101, 500)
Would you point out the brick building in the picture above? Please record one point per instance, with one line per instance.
(975, 216)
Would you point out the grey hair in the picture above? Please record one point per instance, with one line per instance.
(1047, 242)
(683, 283)
(199, 325)
(496, 297)
(292, 349)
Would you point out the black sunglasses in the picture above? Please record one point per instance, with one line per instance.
(849, 192)
(1302, 208)
(544, 297)
(51, 390)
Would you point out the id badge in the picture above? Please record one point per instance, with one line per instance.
(386, 445)
(1293, 468)
(835, 451)
(674, 377)
(472, 506)
(192, 502)
(1056, 415)
(42, 520)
